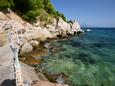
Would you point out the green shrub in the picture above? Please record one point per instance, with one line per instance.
(24, 6)
(50, 9)
(31, 15)
(4, 4)
(46, 18)
(30, 9)
(70, 21)
(58, 14)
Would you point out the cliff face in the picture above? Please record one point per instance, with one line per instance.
(27, 32)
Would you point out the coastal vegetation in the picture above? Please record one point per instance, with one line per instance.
(31, 9)
(48, 51)
(3, 39)
(33, 37)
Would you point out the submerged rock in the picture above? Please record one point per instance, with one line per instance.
(32, 61)
(85, 58)
(55, 49)
(56, 77)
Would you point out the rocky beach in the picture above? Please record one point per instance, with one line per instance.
(57, 43)
(32, 41)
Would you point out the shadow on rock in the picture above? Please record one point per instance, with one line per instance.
(9, 82)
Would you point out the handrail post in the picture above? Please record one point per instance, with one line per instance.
(16, 64)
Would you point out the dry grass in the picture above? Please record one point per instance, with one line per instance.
(3, 38)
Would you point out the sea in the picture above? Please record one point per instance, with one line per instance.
(87, 60)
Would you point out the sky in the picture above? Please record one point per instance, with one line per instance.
(96, 13)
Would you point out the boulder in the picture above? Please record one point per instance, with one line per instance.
(64, 26)
(47, 33)
(26, 48)
(34, 43)
(28, 36)
(75, 26)
(42, 35)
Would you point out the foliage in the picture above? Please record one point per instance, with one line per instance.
(50, 8)
(30, 9)
(38, 4)
(46, 18)
(70, 21)
(23, 5)
(58, 14)
(4, 4)
(31, 15)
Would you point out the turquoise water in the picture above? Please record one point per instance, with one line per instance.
(87, 60)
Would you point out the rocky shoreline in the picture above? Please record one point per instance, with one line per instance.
(27, 35)
(31, 37)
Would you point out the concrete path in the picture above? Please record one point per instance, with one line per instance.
(7, 75)
(28, 74)
(6, 65)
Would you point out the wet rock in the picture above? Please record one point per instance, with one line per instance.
(39, 53)
(46, 45)
(46, 83)
(40, 75)
(79, 32)
(59, 36)
(32, 61)
(57, 77)
(22, 59)
(34, 58)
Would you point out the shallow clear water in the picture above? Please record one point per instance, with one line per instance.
(88, 60)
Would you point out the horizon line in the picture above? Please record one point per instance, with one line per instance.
(95, 27)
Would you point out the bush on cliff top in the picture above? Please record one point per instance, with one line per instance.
(6, 4)
(30, 9)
